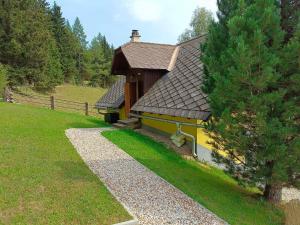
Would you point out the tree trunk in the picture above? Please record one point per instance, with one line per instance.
(267, 191)
(289, 17)
(272, 192)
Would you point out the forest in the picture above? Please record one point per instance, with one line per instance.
(41, 49)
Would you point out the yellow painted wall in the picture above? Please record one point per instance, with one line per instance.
(199, 133)
(202, 137)
(122, 114)
(169, 128)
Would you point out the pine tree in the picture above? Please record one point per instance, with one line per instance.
(217, 43)
(68, 25)
(2, 80)
(40, 48)
(79, 33)
(7, 46)
(290, 14)
(253, 120)
(101, 56)
(50, 71)
(27, 47)
(66, 42)
(82, 56)
(58, 22)
(290, 82)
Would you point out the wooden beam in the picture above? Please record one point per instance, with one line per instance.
(127, 98)
(137, 87)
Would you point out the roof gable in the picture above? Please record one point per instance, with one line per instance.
(142, 55)
(178, 93)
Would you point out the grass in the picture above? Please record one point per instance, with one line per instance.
(66, 92)
(209, 186)
(42, 178)
(71, 93)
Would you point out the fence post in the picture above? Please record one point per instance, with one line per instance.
(8, 95)
(52, 102)
(86, 108)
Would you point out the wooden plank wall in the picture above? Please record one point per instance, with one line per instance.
(150, 77)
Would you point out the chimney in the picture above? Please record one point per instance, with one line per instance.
(135, 36)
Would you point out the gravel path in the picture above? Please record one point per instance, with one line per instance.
(148, 197)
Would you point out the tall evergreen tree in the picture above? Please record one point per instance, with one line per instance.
(101, 57)
(79, 33)
(290, 83)
(253, 121)
(290, 14)
(68, 25)
(58, 22)
(2, 80)
(217, 43)
(27, 44)
(82, 56)
(40, 48)
(66, 42)
(6, 11)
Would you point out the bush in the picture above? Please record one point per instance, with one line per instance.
(2, 80)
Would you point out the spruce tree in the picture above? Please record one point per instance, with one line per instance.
(290, 83)
(253, 120)
(79, 33)
(2, 80)
(50, 71)
(68, 25)
(215, 47)
(28, 47)
(58, 22)
(82, 57)
(7, 46)
(290, 14)
(66, 42)
(101, 57)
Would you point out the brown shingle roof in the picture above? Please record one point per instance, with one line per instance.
(178, 93)
(142, 55)
(114, 98)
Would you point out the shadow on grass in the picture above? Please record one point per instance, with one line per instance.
(75, 171)
(93, 122)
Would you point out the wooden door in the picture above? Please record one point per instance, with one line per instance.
(130, 96)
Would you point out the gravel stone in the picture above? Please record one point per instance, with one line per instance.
(145, 195)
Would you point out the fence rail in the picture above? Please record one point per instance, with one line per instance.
(54, 103)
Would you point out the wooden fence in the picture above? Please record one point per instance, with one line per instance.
(54, 103)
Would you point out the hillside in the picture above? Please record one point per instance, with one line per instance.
(43, 179)
(71, 93)
(67, 97)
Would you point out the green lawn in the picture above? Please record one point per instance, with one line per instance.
(64, 92)
(42, 178)
(207, 185)
(71, 93)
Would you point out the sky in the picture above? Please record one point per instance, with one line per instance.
(160, 21)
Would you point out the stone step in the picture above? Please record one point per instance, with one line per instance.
(129, 121)
(119, 125)
(135, 126)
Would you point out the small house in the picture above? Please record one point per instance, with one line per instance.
(160, 85)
